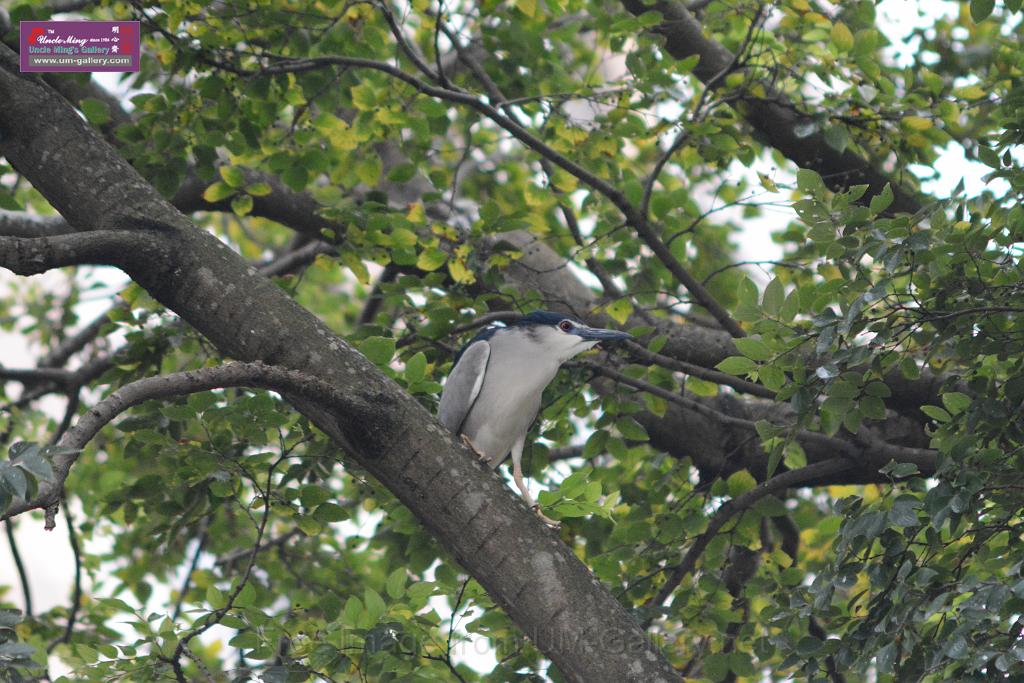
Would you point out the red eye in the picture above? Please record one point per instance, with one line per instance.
(565, 326)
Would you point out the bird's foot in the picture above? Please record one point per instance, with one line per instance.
(553, 523)
(472, 446)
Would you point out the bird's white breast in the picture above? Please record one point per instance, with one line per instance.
(510, 397)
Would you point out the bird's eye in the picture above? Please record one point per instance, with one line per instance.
(565, 326)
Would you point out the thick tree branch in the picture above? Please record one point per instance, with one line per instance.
(34, 255)
(22, 224)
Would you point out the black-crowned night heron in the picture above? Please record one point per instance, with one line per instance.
(493, 393)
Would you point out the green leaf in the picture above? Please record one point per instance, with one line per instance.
(881, 201)
(378, 349)
(296, 177)
(808, 646)
(527, 7)
(313, 494)
(737, 365)
(396, 583)
(809, 182)
(353, 609)
(631, 429)
(753, 348)
(309, 526)
(981, 9)
(936, 413)
(956, 402)
(36, 464)
(415, 368)
(14, 479)
(246, 597)
(774, 296)
(772, 377)
(215, 599)
(96, 111)
(375, 606)
(368, 170)
(402, 173)
(330, 512)
(356, 265)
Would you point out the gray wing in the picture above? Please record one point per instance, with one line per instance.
(463, 386)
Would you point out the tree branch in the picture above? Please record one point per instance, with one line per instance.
(34, 255)
(23, 224)
(26, 589)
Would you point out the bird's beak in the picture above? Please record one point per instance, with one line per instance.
(596, 334)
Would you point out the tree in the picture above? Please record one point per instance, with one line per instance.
(817, 474)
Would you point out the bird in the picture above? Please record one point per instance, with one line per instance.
(493, 393)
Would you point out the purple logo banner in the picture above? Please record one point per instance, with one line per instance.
(62, 46)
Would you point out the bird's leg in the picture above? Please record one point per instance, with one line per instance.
(472, 446)
(517, 475)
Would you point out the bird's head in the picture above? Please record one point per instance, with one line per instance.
(560, 336)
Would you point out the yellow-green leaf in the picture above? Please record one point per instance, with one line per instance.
(916, 122)
(258, 189)
(842, 36)
(527, 7)
(232, 175)
(241, 205)
(431, 259)
(620, 310)
(403, 237)
(460, 273)
(767, 183)
(217, 192)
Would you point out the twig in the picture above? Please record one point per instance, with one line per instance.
(76, 596)
(200, 544)
(231, 558)
(716, 376)
(451, 631)
(26, 589)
